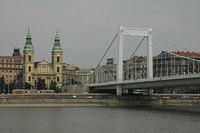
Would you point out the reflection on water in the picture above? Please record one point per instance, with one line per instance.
(97, 120)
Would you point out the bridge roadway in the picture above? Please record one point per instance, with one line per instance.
(161, 82)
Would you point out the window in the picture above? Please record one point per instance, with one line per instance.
(58, 69)
(29, 78)
(29, 68)
(29, 58)
(58, 79)
(58, 59)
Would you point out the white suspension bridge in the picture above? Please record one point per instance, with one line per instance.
(168, 69)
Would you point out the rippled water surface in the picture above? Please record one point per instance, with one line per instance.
(97, 120)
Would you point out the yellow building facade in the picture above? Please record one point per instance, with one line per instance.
(33, 71)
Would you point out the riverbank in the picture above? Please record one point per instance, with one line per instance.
(88, 99)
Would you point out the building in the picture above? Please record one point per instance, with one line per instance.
(164, 64)
(84, 76)
(69, 71)
(134, 68)
(11, 67)
(73, 75)
(33, 71)
(106, 73)
(76, 79)
(171, 64)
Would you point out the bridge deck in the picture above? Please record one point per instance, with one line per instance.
(172, 81)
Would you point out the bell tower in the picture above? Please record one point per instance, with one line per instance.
(28, 53)
(57, 63)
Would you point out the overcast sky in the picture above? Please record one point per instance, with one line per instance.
(87, 26)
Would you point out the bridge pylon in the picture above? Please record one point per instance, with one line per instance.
(132, 31)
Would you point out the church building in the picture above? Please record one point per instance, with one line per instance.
(33, 71)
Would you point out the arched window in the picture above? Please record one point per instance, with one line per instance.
(29, 68)
(29, 78)
(29, 58)
(58, 59)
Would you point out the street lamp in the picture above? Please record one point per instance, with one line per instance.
(8, 88)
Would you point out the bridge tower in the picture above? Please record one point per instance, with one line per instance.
(132, 31)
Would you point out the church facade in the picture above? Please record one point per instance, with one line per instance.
(33, 71)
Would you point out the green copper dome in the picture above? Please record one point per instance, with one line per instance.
(16, 47)
(16, 51)
(28, 45)
(57, 46)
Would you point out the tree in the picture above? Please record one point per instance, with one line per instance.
(2, 84)
(27, 85)
(53, 86)
(41, 84)
(11, 86)
(19, 85)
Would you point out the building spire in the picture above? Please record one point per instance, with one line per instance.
(28, 30)
(57, 31)
(57, 46)
(28, 45)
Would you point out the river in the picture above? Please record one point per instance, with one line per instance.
(97, 120)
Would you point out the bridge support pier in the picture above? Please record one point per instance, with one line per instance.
(119, 90)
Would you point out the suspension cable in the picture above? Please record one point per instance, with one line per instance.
(137, 48)
(108, 48)
(173, 42)
(173, 53)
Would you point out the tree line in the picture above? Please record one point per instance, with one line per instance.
(19, 84)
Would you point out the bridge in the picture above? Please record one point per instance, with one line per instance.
(167, 69)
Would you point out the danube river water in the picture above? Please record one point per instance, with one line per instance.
(97, 120)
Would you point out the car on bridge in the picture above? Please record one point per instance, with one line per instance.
(140, 92)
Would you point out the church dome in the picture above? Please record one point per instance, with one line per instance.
(57, 47)
(16, 47)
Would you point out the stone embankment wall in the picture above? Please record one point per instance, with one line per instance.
(74, 88)
(180, 99)
(163, 100)
(75, 99)
(62, 99)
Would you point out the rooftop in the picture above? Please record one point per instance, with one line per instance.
(181, 53)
